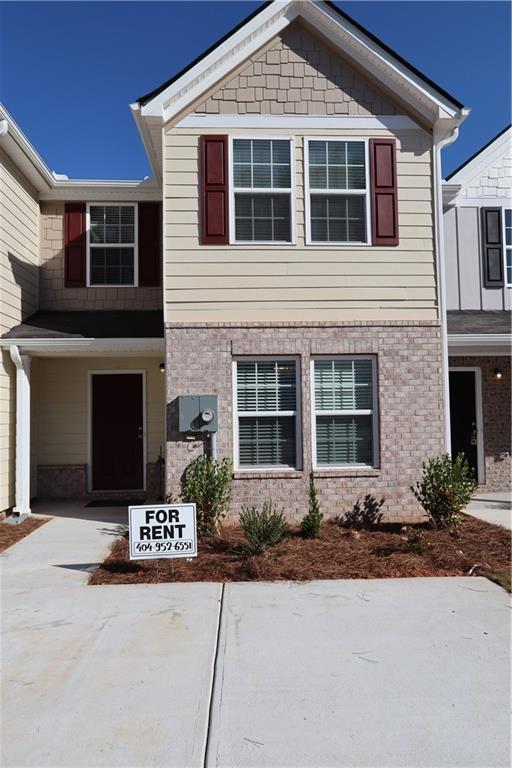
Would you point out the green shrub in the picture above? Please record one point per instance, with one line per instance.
(445, 489)
(416, 540)
(263, 528)
(207, 483)
(312, 520)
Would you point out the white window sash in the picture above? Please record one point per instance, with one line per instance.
(290, 191)
(90, 246)
(237, 415)
(308, 192)
(373, 412)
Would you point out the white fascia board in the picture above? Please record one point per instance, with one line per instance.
(410, 87)
(288, 122)
(484, 159)
(374, 59)
(89, 190)
(23, 154)
(86, 347)
(223, 59)
(479, 344)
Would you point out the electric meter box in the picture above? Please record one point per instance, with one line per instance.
(197, 413)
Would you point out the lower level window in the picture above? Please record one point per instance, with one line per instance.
(344, 411)
(266, 413)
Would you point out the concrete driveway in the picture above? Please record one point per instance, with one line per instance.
(411, 672)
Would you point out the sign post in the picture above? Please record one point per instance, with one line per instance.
(162, 530)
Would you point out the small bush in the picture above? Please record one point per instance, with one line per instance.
(312, 520)
(364, 514)
(445, 489)
(207, 483)
(416, 540)
(263, 528)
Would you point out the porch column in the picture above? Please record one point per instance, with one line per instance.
(22, 363)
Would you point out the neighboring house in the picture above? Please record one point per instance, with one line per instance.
(478, 258)
(298, 161)
(81, 305)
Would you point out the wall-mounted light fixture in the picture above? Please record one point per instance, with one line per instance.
(498, 374)
(162, 367)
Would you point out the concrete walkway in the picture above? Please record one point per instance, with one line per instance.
(411, 672)
(494, 508)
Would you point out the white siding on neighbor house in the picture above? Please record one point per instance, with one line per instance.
(298, 282)
(19, 253)
(490, 186)
(60, 388)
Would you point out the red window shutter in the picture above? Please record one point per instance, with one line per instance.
(383, 192)
(214, 190)
(74, 245)
(150, 244)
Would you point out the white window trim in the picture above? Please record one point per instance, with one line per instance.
(308, 192)
(373, 412)
(297, 413)
(505, 207)
(117, 371)
(263, 191)
(111, 203)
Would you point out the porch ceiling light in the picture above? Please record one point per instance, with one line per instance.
(498, 374)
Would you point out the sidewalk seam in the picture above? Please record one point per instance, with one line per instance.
(214, 678)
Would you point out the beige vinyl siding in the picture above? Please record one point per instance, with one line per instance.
(19, 249)
(60, 386)
(298, 282)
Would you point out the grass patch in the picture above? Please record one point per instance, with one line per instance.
(11, 534)
(502, 578)
(338, 553)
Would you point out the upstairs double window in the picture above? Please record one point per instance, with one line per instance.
(262, 190)
(346, 189)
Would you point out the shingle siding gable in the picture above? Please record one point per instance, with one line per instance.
(298, 74)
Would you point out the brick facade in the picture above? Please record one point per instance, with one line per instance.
(496, 394)
(298, 74)
(55, 296)
(411, 418)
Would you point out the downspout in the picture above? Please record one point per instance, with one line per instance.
(438, 145)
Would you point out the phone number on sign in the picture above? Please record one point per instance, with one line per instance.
(163, 546)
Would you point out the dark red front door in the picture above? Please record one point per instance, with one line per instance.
(117, 432)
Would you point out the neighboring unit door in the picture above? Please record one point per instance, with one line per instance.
(117, 432)
(463, 417)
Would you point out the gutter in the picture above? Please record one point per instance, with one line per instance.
(443, 137)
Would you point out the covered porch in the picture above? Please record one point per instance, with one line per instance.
(90, 410)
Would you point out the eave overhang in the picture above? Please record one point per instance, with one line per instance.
(424, 98)
(479, 344)
(86, 347)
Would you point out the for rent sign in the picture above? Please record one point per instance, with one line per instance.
(165, 530)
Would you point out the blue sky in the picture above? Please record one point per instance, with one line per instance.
(68, 70)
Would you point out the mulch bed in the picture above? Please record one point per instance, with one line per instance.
(10, 534)
(339, 553)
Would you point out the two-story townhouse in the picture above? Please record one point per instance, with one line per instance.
(298, 164)
(300, 160)
(478, 246)
(82, 392)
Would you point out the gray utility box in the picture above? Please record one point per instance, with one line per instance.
(197, 413)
